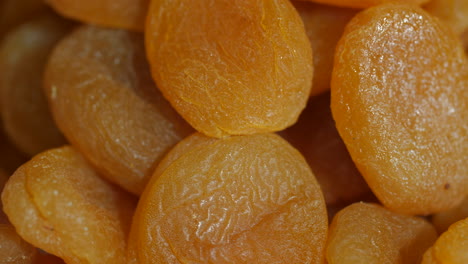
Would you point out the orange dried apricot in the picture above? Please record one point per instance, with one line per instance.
(315, 136)
(242, 199)
(451, 247)
(453, 12)
(230, 67)
(369, 233)
(443, 220)
(24, 109)
(15, 12)
(105, 102)
(363, 3)
(324, 26)
(13, 249)
(58, 203)
(400, 103)
(125, 14)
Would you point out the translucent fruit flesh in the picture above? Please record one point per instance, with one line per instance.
(125, 14)
(244, 199)
(400, 105)
(453, 12)
(105, 102)
(13, 249)
(363, 3)
(58, 203)
(24, 109)
(230, 67)
(369, 233)
(443, 220)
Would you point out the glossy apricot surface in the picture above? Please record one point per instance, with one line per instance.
(105, 102)
(230, 67)
(243, 199)
(400, 103)
(57, 202)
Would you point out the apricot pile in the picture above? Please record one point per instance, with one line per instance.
(233, 131)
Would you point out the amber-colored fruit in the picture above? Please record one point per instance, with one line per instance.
(315, 136)
(364, 3)
(369, 233)
(453, 12)
(15, 12)
(243, 199)
(13, 249)
(324, 26)
(451, 247)
(230, 67)
(58, 203)
(44, 258)
(105, 102)
(24, 109)
(443, 220)
(125, 14)
(400, 103)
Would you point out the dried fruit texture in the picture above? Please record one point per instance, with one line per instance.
(105, 102)
(453, 12)
(13, 249)
(451, 247)
(400, 104)
(25, 112)
(15, 12)
(369, 233)
(58, 203)
(244, 199)
(324, 26)
(364, 3)
(315, 136)
(230, 67)
(443, 220)
(125, 14)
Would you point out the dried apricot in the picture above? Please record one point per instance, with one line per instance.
(400, 104)
(230, 67)
(125, 14)
(363, 3)
(58, 203)
(13, 249)
(443, 220)
(453, 12)
(369, 233)
(315, 136)
(105, 102)
(15, 12)
(451, 247)
(242, 199)
(24, 109)
(324, 26)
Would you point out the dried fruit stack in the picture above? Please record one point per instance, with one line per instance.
(233, 131)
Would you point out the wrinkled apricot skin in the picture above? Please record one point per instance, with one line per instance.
(103, 99)
(369, 233)
(315, 136)
(243, 199)
(451, 247)
(24, 109)
(453, 12)
(443, 220)
(363, 3)
(400, 103)
(230, 67)
(125, 14)
(324, 26)
(58, 203)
